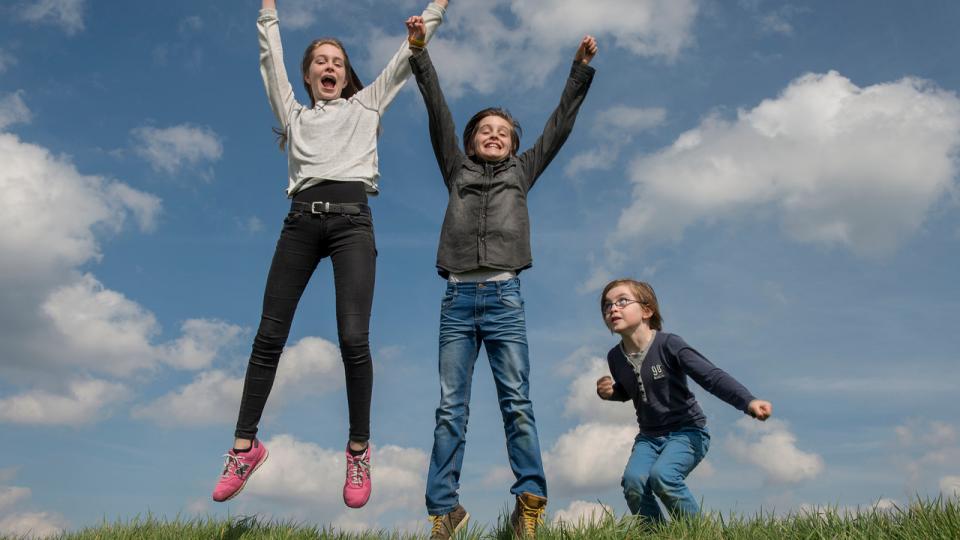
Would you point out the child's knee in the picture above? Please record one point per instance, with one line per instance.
(633, 484)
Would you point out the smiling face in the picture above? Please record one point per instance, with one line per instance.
(326, 75)
(493, 139)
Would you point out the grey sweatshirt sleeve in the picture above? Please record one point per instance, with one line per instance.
(443, 133)
(380, 93)
(713, 379)
(559, 125)
(279, 91)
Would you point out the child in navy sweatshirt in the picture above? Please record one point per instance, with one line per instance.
(651, 367)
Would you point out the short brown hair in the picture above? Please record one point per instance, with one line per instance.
(471, 129)
(644, 295)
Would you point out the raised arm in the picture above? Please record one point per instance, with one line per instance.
(443, 132)
(279, 91)
(381, 91)
(560, 123)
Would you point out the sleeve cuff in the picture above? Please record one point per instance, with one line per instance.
(267, 14)
(582, 72)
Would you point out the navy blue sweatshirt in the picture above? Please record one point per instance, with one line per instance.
(666, 404)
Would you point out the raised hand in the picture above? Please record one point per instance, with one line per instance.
(760, 409)
(605, 387)
(416, 30)
(587, 50)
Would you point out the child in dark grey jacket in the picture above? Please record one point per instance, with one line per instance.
(484, 244)
(650, 367)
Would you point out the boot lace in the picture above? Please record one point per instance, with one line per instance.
(530, 518)
(436, 525)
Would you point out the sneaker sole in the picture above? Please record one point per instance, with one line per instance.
(461, 525)
(266, 454)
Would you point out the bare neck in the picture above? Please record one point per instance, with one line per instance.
(637, 339)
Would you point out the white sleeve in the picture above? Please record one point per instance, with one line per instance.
(381, 92)
(274, 74)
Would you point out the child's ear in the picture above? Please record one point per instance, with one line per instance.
(646, 313)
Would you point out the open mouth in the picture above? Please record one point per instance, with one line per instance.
(328, 82)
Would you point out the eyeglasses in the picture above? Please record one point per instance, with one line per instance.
(621, 303)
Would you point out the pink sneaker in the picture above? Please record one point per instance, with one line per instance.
(356, 487)
(237, 470)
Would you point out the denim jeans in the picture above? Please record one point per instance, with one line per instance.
(658, 466)
(306, 239)
(490, 313)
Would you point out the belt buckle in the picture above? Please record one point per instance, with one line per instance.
(319, 207)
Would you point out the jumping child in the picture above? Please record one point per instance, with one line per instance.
(332, 166)
(484, 245)
(650, 367)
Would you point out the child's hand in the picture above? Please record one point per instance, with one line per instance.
(587, 50)
(760, 409)
(605, 387)
(416, 30)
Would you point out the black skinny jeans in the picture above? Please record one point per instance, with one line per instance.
(305, 240)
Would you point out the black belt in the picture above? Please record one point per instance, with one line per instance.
(320, 207)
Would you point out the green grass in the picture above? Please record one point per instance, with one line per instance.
(937, 519)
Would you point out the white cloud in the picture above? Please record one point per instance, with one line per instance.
(170, 149)
(307, 479)
(252, 224)
(25, 524)
(33, 525)
(200, 341)
(59, 326)
(582, 400)
(840, 165)
(193, 23)
(212, 398)
(950, 486)
(931, 450)
(311, 365)
(11, 495)
(540, 35)
(772, 447)
(614, 128)
(590, 456)
(42, 240)
(13, 110)
(644, 27)
(6, 60)
(880, 506)
(81, 402)
(105, 330)
(582, 512)
(67, 14)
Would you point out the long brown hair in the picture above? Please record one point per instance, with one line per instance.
(354, 84)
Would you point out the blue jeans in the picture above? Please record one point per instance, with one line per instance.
(490, 313)
(658, 467)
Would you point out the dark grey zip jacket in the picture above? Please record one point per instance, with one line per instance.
(487, 224)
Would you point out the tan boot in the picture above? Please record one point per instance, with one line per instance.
(445, 526)
(527, 515)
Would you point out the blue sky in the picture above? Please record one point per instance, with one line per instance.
(784, 174)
